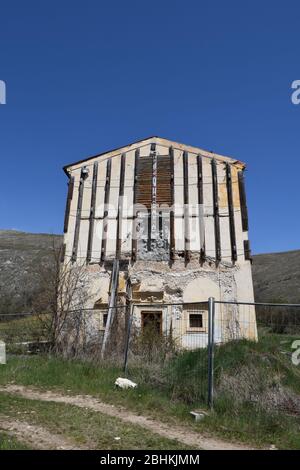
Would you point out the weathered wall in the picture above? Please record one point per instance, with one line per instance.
(156, 278)
(195, 219)
(158, 282)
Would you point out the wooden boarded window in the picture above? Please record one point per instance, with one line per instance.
(164, 180)
(153, 200)
(144, 182)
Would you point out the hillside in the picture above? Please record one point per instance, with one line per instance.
(276, 275)
(21, 255)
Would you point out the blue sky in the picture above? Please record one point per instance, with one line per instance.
(86, 76)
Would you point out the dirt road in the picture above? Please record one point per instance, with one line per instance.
(181, 434)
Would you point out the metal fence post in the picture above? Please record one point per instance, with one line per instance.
(128, 339)
(210, 349)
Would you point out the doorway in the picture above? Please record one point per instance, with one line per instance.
(152, 321)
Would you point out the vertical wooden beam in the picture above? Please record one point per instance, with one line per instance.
(149, 232)
(231, 212)
(92, 213)
(172, 215)
(247, 250)
(160, 224)
(201, 208)
(134, 223)
(154, 176)
(244, 209)
(120, 207)
(62, 253)
(68, 204)
(112, 311)
(152, 215)
(216, 209)
(78, 216)
(187, 241)
(105, 215)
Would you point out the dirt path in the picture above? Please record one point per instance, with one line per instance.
(35, 436)
(183, 435)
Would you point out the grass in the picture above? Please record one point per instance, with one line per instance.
(253, 426)
(241, 369)
(85, 427)
(18, 330)
(87, 378)
(8, 442)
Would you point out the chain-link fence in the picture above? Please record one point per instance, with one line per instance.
(24, 333)
(160, 345)
(166, 347)
(196, 352)
(261, 372)
(206, 350)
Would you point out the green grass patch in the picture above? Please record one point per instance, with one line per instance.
(257, 388)
(14, 331)
(85, 427)
(252, 425)
(76, 377)
(8, 442)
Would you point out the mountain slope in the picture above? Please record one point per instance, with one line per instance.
(276, 276)
(21, 255)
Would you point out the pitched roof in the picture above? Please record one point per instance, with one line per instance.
(158, 140)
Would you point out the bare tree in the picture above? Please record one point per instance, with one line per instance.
(60, 303)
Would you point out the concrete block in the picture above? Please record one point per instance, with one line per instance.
(199, 414)
(2, 352)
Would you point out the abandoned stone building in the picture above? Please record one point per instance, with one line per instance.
(156, 223)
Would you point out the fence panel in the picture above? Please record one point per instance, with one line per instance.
(24, 332)
(175, 348)
(254, 360)
(168, 348)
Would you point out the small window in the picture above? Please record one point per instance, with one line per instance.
(196, 320)
(104, 319)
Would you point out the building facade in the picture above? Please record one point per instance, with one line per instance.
(156, 223)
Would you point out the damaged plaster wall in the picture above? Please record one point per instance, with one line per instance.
(182, 284)
(158, 282)
(152, 275)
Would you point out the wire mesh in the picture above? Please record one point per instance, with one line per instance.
(254, 355)
(24, 332)
(167, 348)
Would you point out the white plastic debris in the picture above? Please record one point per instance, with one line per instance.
(125, 383)
(199, 414)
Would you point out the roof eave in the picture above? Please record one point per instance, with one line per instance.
(66, 167)
(107, 151)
